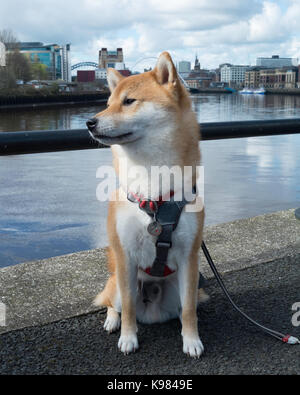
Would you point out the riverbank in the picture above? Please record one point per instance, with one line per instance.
(271, 91)
(39, 100)
(70, 99)
(195, 91)
(294, 91)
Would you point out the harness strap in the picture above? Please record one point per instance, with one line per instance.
(163, 243)
(167, 214)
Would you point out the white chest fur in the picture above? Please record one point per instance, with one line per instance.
(139, 245)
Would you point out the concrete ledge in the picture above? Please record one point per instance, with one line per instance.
(45, 291)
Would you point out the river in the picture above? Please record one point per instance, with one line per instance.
(48, 201)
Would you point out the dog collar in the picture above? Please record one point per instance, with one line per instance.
(148, 205)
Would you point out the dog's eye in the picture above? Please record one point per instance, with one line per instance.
(127, 101)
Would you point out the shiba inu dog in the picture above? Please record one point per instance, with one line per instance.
(149, 122)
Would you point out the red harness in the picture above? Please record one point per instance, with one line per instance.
(167, 271)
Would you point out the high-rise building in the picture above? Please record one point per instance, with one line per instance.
(110, 58)
(66, 63)
(276, 62)
(54, 56)
(184, 66)
(2, 54)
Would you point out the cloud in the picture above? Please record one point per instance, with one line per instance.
(219, 31)
(267, 26)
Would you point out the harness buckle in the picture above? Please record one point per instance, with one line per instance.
(163, 244)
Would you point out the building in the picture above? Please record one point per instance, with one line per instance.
(120, 66)
(86, 75)
(100, 74)
(110, 58)
(252, 77)
(184, 66)
(125, 72)
(66, 63)
(197, 66)
(233, 74)
(198, 82)
(279, 78)
(2, 54)
(276, 62)
(54, 56)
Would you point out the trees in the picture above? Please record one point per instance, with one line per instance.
(7, 79)
(18, 66)
(39, 70)
(8, 38)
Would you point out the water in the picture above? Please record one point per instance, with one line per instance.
(210, 108)
(48, 201)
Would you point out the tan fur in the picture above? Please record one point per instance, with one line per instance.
(160, 86)
(189, 317)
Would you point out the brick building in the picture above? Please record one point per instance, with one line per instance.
(86, 75)
(279, 78)
(252, 77)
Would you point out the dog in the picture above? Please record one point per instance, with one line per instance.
(149, 122)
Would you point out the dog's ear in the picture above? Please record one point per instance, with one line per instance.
(165, 70)
(113, 78)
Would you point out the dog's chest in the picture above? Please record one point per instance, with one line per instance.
(139, 245)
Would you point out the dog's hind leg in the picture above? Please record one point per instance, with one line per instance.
(113, 320)
(107, 298)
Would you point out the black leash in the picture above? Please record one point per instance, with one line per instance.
(284, 338)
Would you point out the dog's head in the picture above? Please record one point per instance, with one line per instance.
(144, 106)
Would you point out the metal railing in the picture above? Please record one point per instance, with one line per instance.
(17, 143)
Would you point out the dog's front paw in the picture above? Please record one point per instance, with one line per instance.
(192, 346)
(112, 322)
(128, 343)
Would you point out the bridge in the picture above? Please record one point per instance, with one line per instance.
(84, 64)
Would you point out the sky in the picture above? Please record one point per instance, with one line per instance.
(218, 31)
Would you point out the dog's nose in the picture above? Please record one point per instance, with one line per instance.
(91, 124)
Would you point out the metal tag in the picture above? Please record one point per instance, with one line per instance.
(154, 228)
